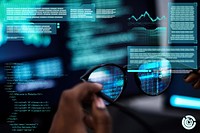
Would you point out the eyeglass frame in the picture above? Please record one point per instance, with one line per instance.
(123, 69)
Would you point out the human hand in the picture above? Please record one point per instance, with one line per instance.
(194, 78)
(71, 117)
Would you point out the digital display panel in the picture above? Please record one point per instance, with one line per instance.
(182, 23)
(180, 57)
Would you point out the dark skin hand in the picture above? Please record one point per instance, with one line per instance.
(194, 78)
(71, 117)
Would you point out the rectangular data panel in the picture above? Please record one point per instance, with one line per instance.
(180, 57)
(50, 12)
(17, 31)
(182, 25)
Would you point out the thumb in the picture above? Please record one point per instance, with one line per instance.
(101, 116)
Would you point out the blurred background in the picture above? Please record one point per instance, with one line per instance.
(36, 69)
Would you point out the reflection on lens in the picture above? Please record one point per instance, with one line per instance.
(158, 77)
(112, 79)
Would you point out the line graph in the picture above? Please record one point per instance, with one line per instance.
(147, 14)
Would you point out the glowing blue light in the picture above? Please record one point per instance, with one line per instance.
(185, 102)
(139, 71)
(35, 85)
(2, 35)
(147, 77)
(49, 68)
(23, 71)
(1, 77)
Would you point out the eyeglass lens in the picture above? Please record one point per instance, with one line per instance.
(158, 77)
(112, 79)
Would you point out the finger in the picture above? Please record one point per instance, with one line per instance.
(192, 77)
(86, 90)
(101, 117)
(197, 85)
(198, 71)
(76, 96)
(88, 120)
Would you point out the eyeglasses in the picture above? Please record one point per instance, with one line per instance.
(114, 79)
(152, 78)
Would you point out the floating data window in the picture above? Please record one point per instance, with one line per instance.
(50, 12)
(182, 25)
(106, 13)
(17, 31)
(38, 28)
(180, 57)
(81, 12)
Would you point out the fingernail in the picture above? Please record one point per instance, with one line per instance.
(99, 85)
(99, 103)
